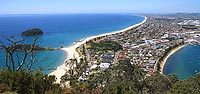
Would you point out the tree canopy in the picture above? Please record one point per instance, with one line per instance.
(106, 45)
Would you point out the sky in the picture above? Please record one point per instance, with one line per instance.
(98, 6)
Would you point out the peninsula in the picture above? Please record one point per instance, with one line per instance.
(147, 44)
(73, 53)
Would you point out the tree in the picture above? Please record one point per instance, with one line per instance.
(157, 83)
(24, 82)
(188, 86)
(18, 77)
(118, 79)
(18, 52)
(74, 72)
(173, 78)
(106, 45)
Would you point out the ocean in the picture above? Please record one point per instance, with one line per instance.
(60, 30)
(184, 62)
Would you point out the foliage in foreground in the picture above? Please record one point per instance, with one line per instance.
(188, 86)
(23, 82)
(125, 78)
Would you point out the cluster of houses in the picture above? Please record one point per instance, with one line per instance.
(144, 45)
(190, 22)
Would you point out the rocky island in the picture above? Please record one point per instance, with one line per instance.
(32, 32)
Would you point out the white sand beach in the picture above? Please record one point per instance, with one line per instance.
(165, 59)
(71, 51)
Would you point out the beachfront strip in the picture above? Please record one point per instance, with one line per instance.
(145, 45)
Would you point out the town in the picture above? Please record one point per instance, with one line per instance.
(145, 45)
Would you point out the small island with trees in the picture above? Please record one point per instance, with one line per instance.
(32, 32)
(35, 47)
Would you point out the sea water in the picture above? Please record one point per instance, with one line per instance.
(60, 30)
(185, 62)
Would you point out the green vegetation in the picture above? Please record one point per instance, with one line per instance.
(188, 86)
(105, 45)
(121, 78)
(125, 78)
(26, 47)
(32, 32)
(191, 27)
(74, 72)
(29, 46)
(22, 82)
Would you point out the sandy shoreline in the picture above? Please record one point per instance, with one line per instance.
(162, 64)
(71, 50)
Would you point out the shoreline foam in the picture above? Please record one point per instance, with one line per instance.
(71, 50)
(162, 64)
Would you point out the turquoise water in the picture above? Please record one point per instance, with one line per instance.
(185, 62)
(61, 30)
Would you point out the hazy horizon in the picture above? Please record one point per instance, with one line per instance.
(103, 6)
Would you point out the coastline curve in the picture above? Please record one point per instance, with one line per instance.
(162, 64)
(71, 50)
